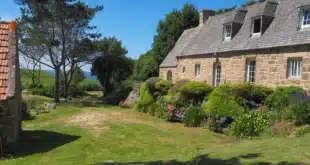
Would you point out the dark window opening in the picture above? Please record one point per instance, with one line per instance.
(257, 26)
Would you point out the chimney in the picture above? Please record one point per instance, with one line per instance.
(204, 15)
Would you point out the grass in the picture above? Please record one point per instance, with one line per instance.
(48, 79)
(85, 136)
(45, 78)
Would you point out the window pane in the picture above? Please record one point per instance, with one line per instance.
(228, 31)
(257, 26)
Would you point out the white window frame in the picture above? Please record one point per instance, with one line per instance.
(226, 36)
(251, 69)
(255, 34)
(303, 14)
(217, 74)
(197, 70)
(294, 68)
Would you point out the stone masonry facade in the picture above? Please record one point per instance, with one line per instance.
(271, 67)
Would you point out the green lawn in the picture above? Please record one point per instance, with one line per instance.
(75, 136)
(48, 79)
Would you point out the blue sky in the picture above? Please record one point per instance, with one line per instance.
(132, 21)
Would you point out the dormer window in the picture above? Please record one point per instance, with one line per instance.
(257, 27)
(227, 32)
(306, 18)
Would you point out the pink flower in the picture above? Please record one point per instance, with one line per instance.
(217, 121)
(171, 108)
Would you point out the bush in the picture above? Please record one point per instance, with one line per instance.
(232, 99)
(161, 111)
(162, 87)
(26, 107)
(178, 85)
(120, 93)
(76, 90)
(279, 99)
(41, 90)
(301, 112)
(283, 128)
(300, 131)
(175, 114)
(193, 116)
(250, 124)
(145, 100)
(150, 86)
(194, 91)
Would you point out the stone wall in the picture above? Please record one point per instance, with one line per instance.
(163, 73)
(271, 67)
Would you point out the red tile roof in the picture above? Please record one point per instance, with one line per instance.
(4, 68)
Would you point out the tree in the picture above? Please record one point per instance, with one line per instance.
(168, 32)
(53, 27)
(145, 67)
(112, 67)
(220, 11)
(171, 28)
(250, 3)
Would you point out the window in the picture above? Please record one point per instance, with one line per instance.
(256, 27)
(306, 18)
(169, 75)
(197, 70)
(227, 32)
(217, 74)
(251, 69)
(294, 68)
(184, 69)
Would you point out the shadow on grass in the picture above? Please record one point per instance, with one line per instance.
(203, 160)
(39, 141)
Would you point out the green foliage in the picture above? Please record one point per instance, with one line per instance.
(168, 32)
(120, 93)
(195, 91)
(26, 78)
(279, 99)
(178, 85)
(301, 112)
(41, 90)
(76, 90)
(113, 67)
(250, 124)
(26, 107)
(302, 130)
(163, 86)
(161, 111)
(77, 77)
(231, 99)
(145, 100)
(217, 108)
(145, 67)
(194, 116)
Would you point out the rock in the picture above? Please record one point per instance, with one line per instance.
(50, 105)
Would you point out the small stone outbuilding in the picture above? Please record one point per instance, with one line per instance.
(10, 83)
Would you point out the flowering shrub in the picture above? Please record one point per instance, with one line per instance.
(250, 124)
(174, 114)
(194, 116)
(123, 104)
(218, 126)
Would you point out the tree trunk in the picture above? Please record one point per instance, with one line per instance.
(56, 88)
(65, 84)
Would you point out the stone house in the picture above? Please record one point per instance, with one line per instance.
(267, 44)
(10, 84)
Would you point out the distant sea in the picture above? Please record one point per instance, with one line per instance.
(87, 74)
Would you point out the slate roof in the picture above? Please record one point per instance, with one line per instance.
(207, 38)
